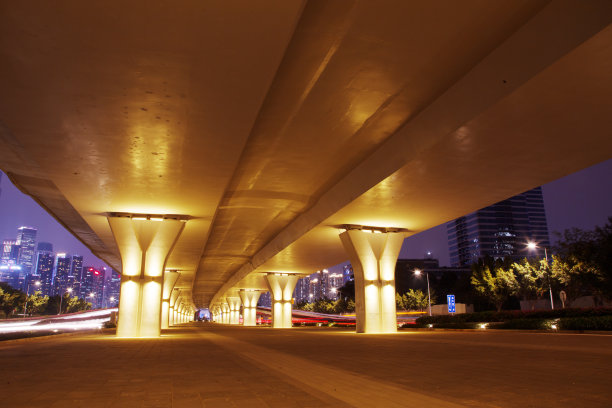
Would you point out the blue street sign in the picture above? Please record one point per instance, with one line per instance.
(450, 299)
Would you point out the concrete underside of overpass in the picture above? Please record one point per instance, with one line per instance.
(264, 126)
(223, 366)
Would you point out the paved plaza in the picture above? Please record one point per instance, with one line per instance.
(206, 365)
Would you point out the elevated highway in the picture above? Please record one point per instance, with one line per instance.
(213, 150)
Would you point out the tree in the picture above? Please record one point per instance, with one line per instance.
(592, 249)
(497, 286)
(76, 304)
(36, 303)
(417, 300)
(399, 302)
(11, 299)
(575, 277)
(533, 279)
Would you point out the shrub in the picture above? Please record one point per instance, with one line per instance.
(504, 316)
(524, 324)
(586, 323)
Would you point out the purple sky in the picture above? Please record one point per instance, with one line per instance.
(582, 199)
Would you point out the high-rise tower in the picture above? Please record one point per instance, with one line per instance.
(44, 267)
(26, 239)
(62, 273)
(500, 230)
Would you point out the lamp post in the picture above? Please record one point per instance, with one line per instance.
(111, 299)
(418, 272)
(69, 290)
(25, 307)
(532, 247)
(92, 296)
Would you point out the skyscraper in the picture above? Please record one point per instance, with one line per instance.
(113, 289)
(74, 278)
(44, 267)
(10, 252)
(302, 290)
(26, 239)
(62, 273)
(500, 230)
(44, 247)
(92, 286)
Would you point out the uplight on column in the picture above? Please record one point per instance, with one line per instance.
(145, 242)
(373, 254)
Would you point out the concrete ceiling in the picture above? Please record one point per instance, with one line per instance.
(271, 123)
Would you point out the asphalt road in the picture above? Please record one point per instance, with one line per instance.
(206, 365)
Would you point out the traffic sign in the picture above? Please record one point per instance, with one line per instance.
(450, 299)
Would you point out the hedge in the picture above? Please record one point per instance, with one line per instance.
(586, 323)
(505, 316)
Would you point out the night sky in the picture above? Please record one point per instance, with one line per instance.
(582, 199)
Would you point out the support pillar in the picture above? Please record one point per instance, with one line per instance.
(170, 316)
(373, 256)
(234, 309)
(225, 313)
(144, 244)
(170, 278)
(249, 303)
(281, 287)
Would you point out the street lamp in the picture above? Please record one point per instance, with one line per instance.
(25, 307)
(69, 290)
(111, 299)
(335, 292)
(417, 272)
(92, 296)
(532, 246)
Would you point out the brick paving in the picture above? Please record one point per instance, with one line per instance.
(205, 365)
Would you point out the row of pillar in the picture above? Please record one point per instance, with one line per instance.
(146, 303)
(373, 255)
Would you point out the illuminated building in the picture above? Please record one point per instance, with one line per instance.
(10, 252)
(92, 282)
(61, 278)
(12, 275)
(26, 239)
(112, 289)
(500, 230)
(347, 273)
(45, 260)
(302, 290)
(74, 278)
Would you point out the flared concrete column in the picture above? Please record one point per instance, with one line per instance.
(373, 257)
(225, 313)
(249, 303)
(219, 314)
(281, 288)
(174, 302)
(234, 309)
(170, 278)
(144, 244)
(170, 316)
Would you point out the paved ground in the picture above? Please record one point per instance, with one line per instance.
(222, 366)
